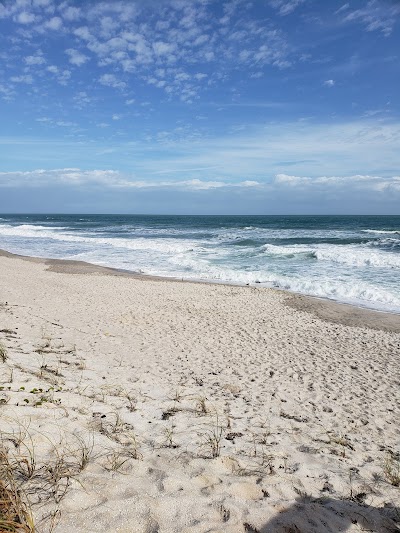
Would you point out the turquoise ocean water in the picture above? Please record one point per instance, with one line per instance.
(352, 259)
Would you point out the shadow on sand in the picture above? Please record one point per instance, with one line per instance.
(327, 515)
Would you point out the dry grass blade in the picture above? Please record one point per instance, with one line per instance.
(212, 437)
(14, 515)
(3, 353)
(391, 469)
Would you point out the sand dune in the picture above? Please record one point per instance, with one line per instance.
(160, 406)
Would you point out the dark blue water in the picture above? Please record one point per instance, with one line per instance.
(353, 259)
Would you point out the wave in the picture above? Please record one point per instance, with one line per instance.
(388, 243)
(288, 251)
(28, 230)
(245, 242)
(346, 255)
(354, 291)
(160, 245)
(382, 231)
(359, 257)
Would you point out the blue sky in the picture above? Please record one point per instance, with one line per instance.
(200, 106)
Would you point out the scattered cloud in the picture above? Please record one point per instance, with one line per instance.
(375, 16)
(182, 51)
(342, 8)
(6, 93)
(55, 23)
(35, 60)
(25, 17)
(27, 78)
(329, 83)
(62, 76)
(42, 3)
(110, 80)
(108, 178)
(71, 13)
(54, 122)
(82, 99)
(76, 57)
(365, 182)
(285, 7)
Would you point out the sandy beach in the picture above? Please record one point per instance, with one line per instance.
(144, 405)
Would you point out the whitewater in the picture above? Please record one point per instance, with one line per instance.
(350, 259)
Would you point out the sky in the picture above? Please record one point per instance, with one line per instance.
(200, 106)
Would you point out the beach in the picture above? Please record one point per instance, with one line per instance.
(153, 405)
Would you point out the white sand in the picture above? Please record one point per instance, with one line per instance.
(300, 413)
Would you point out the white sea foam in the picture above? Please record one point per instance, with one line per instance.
(28, 230)
(287, 251)
(354, 291)
(357, 256)
(354, 255)
(42, 232)
(379, 231)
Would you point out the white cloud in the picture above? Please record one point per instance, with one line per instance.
(65, 123)
(161, 48)
(22, 79)
(376, 15)
(107, 178)
(61, 123)
(84, 33)
(71, 13)
(329, 83)
(108, 25)
(54, 23)
(82, 99)
(35, 60)
(25, 17)
(342, 8)
(76, 57)
(110, 80)
(42, 3)
(62, 76)
(365, 182)
(285, 7)
(7, 93)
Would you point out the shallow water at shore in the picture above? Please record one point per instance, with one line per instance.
(346, 258)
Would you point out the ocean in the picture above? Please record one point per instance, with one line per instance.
(351, 259)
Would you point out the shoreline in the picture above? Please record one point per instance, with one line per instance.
(322, 308)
